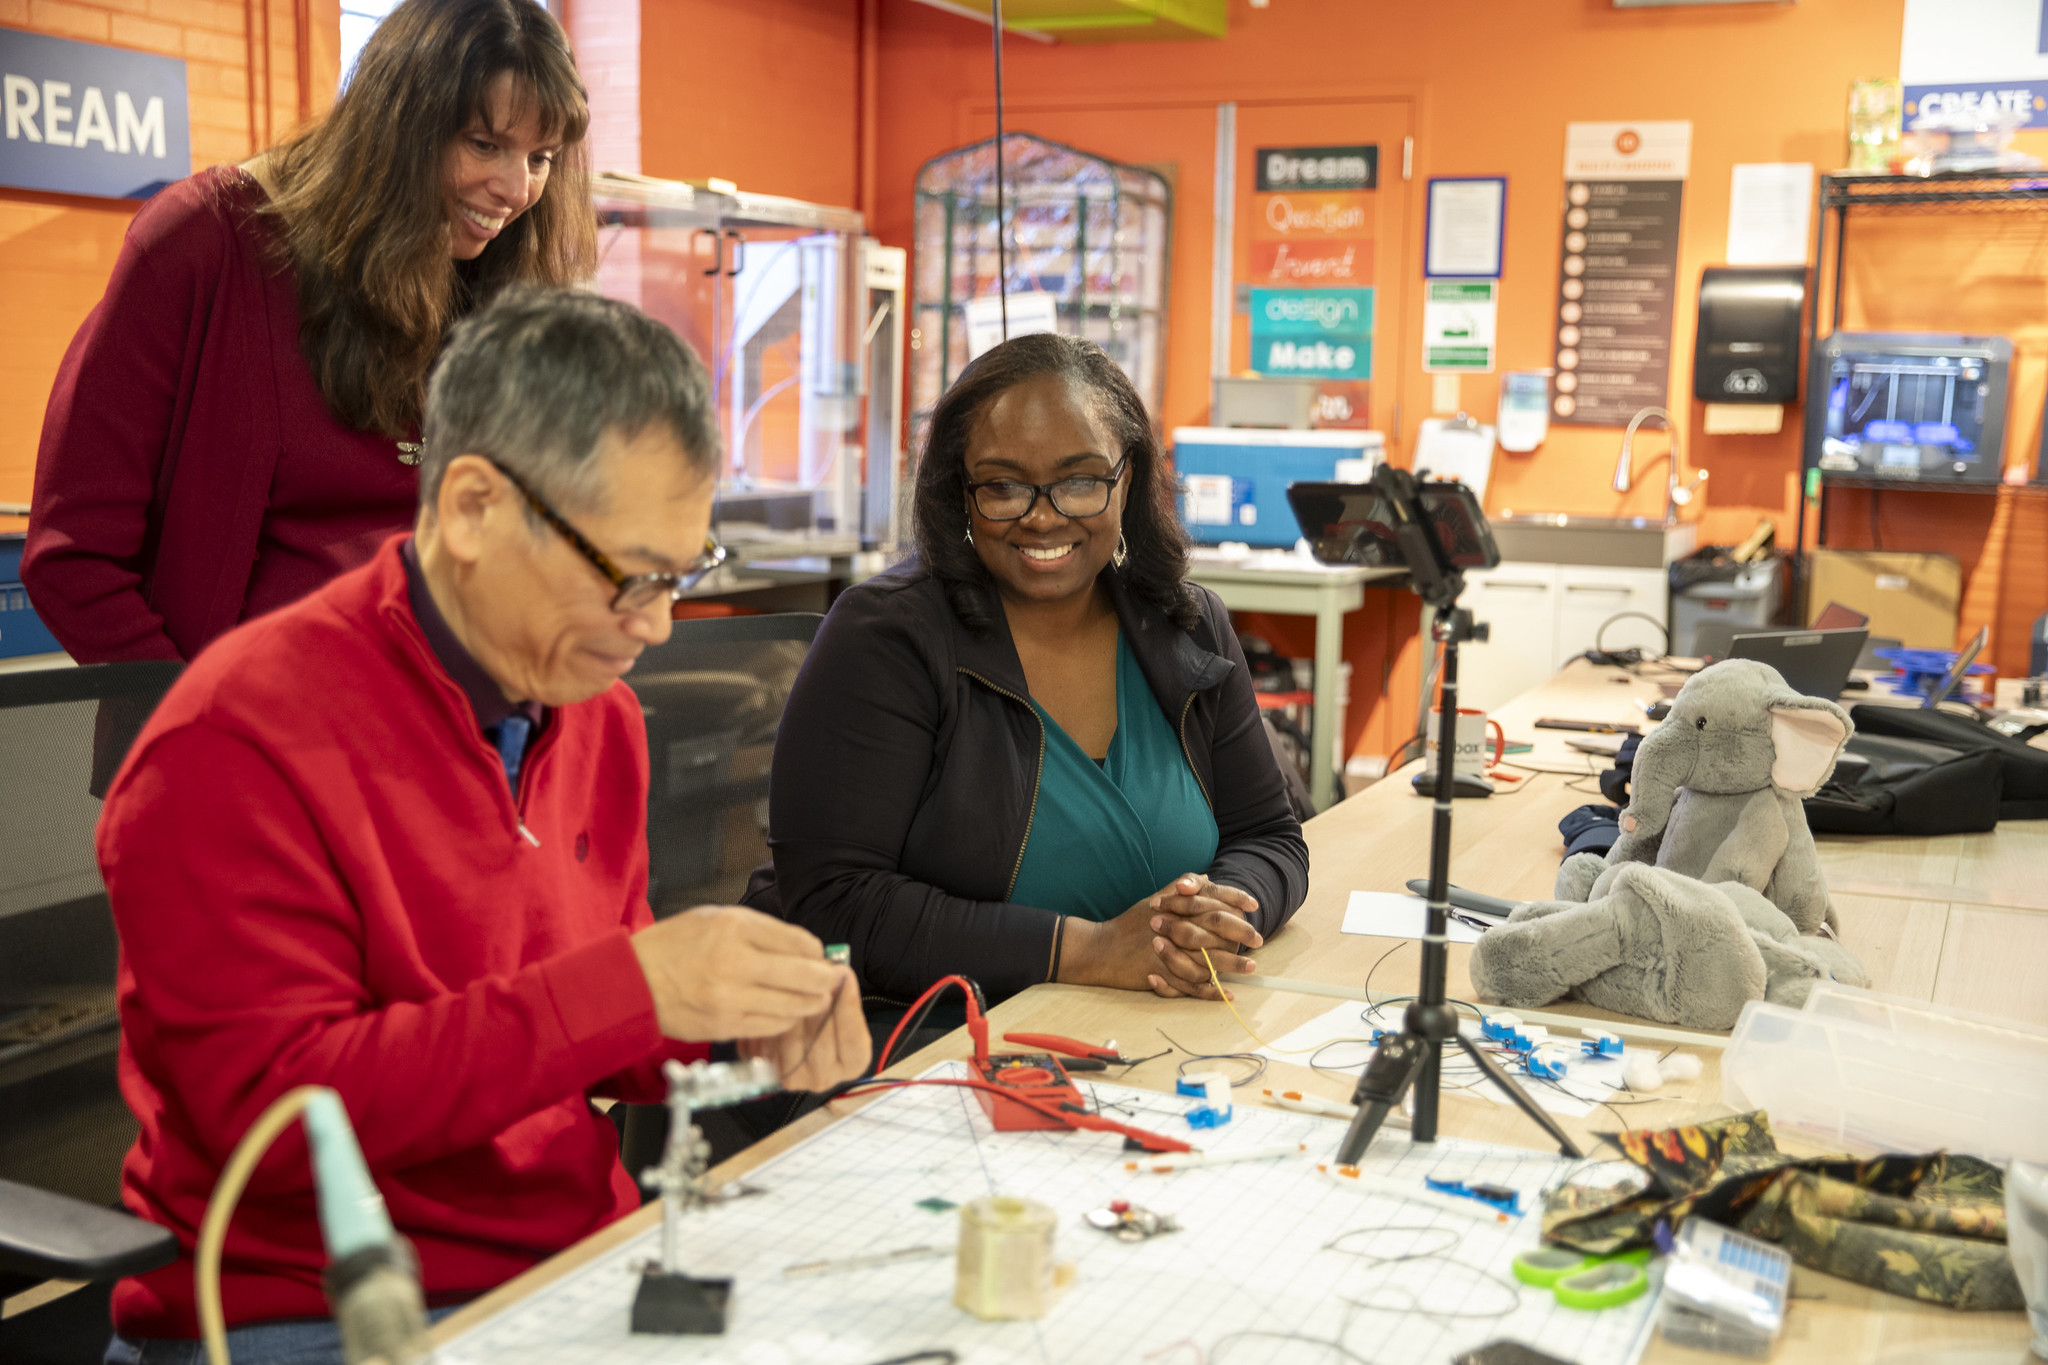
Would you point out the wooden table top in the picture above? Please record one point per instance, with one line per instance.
(1956, 919)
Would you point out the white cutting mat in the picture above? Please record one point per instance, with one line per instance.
(1252, 1258)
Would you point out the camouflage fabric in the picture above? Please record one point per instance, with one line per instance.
(1926, 1227)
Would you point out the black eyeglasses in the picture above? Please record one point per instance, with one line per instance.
(1082, 495)
(636, 592)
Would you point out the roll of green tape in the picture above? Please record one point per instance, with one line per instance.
(1545, 1266)
(1604, 1286)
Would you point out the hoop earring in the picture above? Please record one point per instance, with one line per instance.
(1123, 550)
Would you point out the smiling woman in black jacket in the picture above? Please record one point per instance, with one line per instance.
(1032, 753)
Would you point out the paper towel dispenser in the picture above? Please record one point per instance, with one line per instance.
(1747, 349)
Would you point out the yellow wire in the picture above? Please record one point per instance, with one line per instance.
(1283, 1051)
(213, 1229)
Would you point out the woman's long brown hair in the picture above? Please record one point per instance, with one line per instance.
(361, 203)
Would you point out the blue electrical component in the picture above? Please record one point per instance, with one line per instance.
(1208, 1116)
(1508, 1201)
(1920, 671)
(1549, 1068)
(1602, 1045)
(1519, 1041)
(1498, 1027)
(1191, 1088)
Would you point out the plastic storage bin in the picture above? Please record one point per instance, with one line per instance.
(1748, 599)
(1235, 478)
(1883, 1072)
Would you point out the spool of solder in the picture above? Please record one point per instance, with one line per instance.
(1005, 1268)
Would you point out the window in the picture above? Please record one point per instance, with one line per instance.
(359, 19)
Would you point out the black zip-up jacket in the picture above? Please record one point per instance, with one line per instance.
(906, 779)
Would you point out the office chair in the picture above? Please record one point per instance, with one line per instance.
(713, 698)
(63, 1126)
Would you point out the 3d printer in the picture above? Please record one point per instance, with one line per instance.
(787, 303)
(1919, 407)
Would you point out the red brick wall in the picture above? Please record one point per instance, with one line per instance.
(606, 36)
(57, 250)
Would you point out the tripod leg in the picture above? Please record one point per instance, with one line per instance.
(1507, 1086)
(1384, 1082)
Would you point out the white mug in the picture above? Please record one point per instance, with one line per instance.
(1473, 756)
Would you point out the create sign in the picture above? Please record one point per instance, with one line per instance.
(83, 118)
(1319, 333)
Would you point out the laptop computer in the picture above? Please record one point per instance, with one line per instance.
(1711, 639)
(1959, 669)
(1815, 663)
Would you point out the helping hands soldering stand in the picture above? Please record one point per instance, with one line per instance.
(670, 1302)
(1414, 1056)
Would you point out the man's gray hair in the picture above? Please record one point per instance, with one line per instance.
(536, 379)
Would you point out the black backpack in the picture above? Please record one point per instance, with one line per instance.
(2023, 770)
(1888, 785)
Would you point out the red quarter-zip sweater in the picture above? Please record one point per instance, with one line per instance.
(320, 876)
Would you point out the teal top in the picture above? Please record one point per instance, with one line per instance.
(1105, 836)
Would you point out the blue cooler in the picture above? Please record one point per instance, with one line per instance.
(21, 630)
(1234, 479)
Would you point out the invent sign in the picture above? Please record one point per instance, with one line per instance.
(83, 118)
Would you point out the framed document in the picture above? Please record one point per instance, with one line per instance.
(1467, 219)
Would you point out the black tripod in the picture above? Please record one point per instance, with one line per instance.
(1414, 1056)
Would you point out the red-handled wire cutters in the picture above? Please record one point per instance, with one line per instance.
(1072, 1047)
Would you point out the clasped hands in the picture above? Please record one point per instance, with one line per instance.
(1157, 944)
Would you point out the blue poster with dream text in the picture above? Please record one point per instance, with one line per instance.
(84, 118)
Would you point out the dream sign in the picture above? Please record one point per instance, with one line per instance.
(83, 118)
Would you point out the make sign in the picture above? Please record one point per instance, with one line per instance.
(83, 118)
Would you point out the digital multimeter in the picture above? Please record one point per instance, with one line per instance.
(1034, 1075)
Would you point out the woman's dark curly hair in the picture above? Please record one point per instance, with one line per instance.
(1156, 568)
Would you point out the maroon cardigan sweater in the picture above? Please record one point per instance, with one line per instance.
(160, 448)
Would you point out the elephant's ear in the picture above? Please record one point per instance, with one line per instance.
(1807, 736)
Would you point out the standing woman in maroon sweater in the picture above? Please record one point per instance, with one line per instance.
(237, 421)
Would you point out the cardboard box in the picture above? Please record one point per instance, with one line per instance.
(1910, 597)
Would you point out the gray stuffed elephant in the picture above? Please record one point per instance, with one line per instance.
(1716, 789)
(1713, 895)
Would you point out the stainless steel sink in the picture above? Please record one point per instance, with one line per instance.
(1568, 538)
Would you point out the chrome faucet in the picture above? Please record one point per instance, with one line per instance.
(1676, 494)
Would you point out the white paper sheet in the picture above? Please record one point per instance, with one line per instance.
(1458, 452)
(1770, 207)
(1034, 311)
(1389, 914)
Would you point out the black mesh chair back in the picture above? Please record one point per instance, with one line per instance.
(63, 1126)
(64, 731)
(713, 697)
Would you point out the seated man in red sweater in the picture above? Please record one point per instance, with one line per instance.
(392, 839)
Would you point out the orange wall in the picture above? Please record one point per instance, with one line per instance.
(56, 251)
(759, 92)
(1493, 85)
